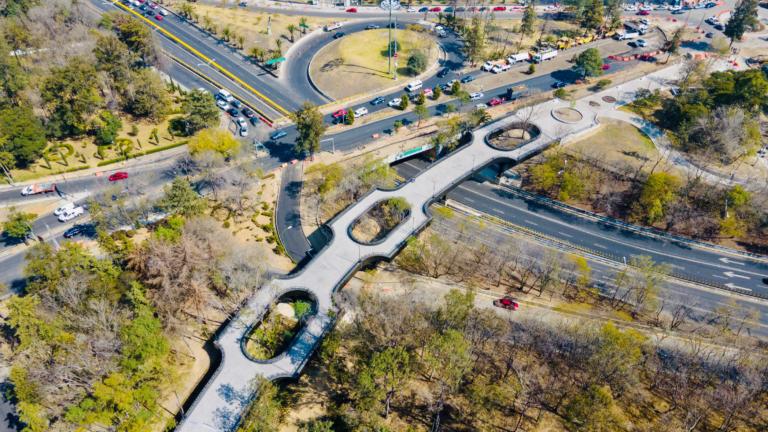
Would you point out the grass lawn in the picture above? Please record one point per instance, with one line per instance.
(361, 58)
(617, 145)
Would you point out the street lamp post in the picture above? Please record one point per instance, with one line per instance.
(390, 5)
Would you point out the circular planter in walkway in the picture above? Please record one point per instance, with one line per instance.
(567, 115)
(512, 136)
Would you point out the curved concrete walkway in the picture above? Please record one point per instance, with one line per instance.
(219, 406)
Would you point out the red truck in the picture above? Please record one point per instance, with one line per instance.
(41, 188)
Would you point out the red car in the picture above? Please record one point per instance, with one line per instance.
(506, 302)
(435, 9)
(120, 175)
(644, 12)
(352, 10)
(495, 101)
(159, 17)
(338, 115)
(499, 8)
(606, 66)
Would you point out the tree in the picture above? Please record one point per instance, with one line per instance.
(214, 140)
(12, 78)
(479, 116)
(18, 226)
(592, 16)
(744, 17)
(437, 92)
(146, 96)
(417, 63)
(656, 194)
(24, 135)
(589, 63)
(310, 127)
(422, 112)
(136, 36)
(317, 426)
(349, 119)
(71, 96)
(180, 198)
(265, 412)
(474, 40)
(455, 87)
(404, 102)
(106, 128)
(114, 58)
(292, 30)
(303, 24)
(200, 112)
(593, 410)
(384, 376)
(529, 19)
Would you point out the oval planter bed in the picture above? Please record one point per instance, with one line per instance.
(270, 337)
(375, 224)
(513, 136)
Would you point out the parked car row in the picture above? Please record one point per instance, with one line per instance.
(235, 109)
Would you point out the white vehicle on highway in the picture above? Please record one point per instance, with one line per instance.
(361, 112)
(501, 67)
(476, 96)
(332, 27)
(222, 104)
(487, 66)
(64, 208)
(411, 9)
(413, 86)
(394, 103)
(71, 214)
(225, 95)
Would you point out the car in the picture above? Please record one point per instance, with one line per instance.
(339, 115)
(461, 9)
(476, 96)
(378, 100)
(234, 112)
(605, 66)
(495, 101)
(499, 8)
(443, 72)
(719, 26)
(411, 9)
(424, 9)
(338, 35)
(481, 106)
(120, 175)
(277, 135)
(710, 5)
(64, 208)
(435, 9)
(466, 79)
(678, 12)
(247, 112)
(75, 231)
(362, 111)
(71, 214)
(483, 9)
(240, 122)
(507, 302)
(709, 35)
(644, 21)
(254, 121)
(352, 10)
(558, 84)
(153, 5)
(644, 12)
(222, 104)
(159, 17)
(372, 27)
(449, 9)
(641, 43)
(243, 131)
(236, 103)
(394, 103)
(630, 8)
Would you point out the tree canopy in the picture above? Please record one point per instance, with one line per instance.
(310, 127)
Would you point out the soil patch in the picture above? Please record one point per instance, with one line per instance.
(382, 218)
(567, 115)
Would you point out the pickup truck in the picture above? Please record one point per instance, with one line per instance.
(40, 188)
(332, 27)
(501, 67)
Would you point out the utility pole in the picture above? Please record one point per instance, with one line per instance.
(390, 5)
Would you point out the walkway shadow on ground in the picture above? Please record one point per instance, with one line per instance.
(698, 45)
(565, 75)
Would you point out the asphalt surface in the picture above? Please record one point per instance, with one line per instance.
(740, 274)
(291, 235)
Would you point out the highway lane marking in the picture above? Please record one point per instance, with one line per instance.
(203, 57)
(599, 245)
(530, 222)
(469, 200)
(731, 274)
(564, 234)
(657, 252)
(732, 286)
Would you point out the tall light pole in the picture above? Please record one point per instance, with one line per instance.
(390, 5)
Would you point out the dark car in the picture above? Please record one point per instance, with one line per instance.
(378, 100)
(247, 112)
(448, 9)
(236, 103)
(372, 27)
(254, 121)
(719, 27)
(443, 72)
(338, 35)
(277, 135)
(424, 9)
(710, 5)
(709, 35)
(460, 9)
(506, 302)
(678, 12)
(558, 84)
(466, 79)
(75, 231)
(234, 112)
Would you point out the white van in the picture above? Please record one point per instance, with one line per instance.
(413, 86)
(225, 95)
(332, 27)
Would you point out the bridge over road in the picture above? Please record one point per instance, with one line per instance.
(219, 405)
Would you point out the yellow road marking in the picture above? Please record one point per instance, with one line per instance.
(204, 58)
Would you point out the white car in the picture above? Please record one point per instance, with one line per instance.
(64, 208)
(241, 123)
(476, 96)
(481, 106)
(411, 9)
(71, 214)
(244, 131)
(361, 112)
(163, 12)
(631, 8)
(394, 103)
(222, 104)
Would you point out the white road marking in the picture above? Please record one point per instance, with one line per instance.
(732, 286)
(730, 261)
(731, 274)
(530, 222)
(599, 245)
(564, 234)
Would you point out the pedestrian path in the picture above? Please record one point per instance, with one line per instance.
(220, 404)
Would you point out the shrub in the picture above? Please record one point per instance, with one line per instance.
(417, 63)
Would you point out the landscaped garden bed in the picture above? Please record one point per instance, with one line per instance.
(382, 218)
(278, 328)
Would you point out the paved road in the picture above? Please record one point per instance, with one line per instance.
(288, 213)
